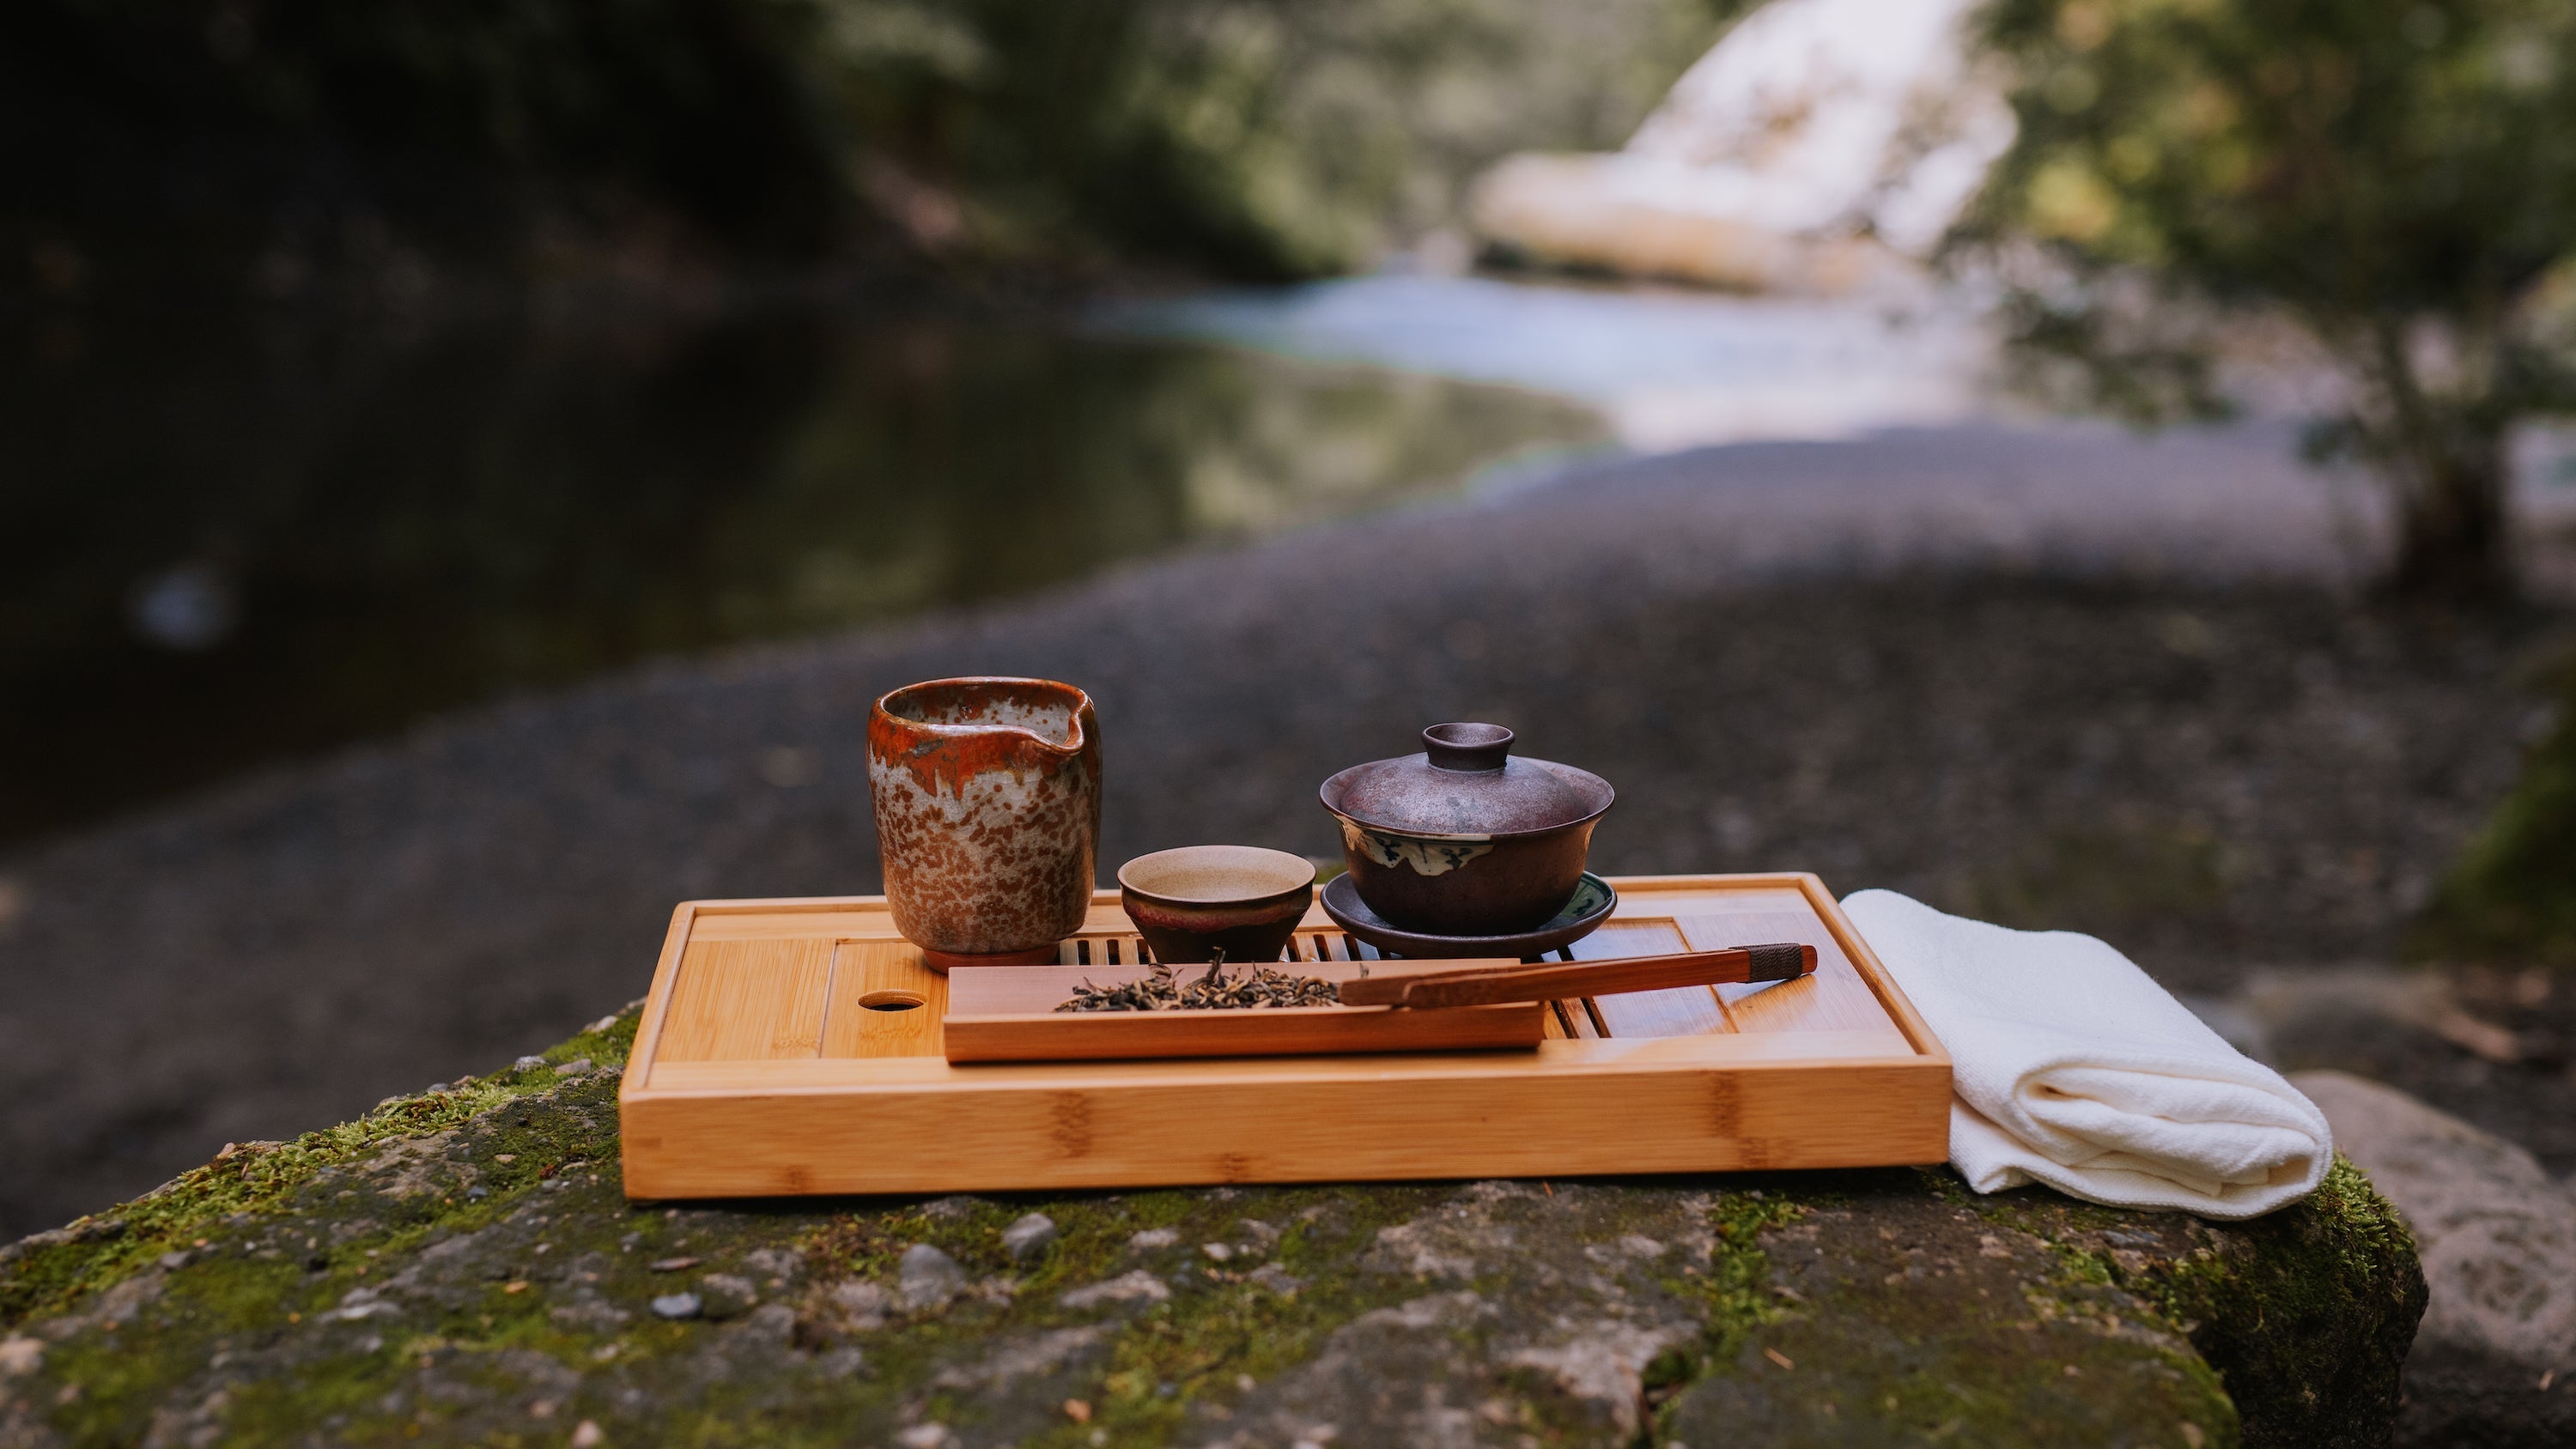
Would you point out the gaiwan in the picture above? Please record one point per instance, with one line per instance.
(1465, 839)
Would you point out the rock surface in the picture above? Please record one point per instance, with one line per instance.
(461, 1267)
(2498, 1237)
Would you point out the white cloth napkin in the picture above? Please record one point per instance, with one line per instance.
(2073, 1068)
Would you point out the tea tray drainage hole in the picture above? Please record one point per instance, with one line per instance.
(893, 1000)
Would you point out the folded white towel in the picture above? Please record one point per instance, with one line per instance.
(2072, 1067)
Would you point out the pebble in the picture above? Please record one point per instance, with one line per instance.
(928, 1278)
(359, 1304)
(1028, 1237)
(528, 1064)
(677, 1305)
(723, 1295)
(862, 1302)
(575, 1067)
(1152, 1238)
(587, 1435)
(1126, 1288)
(1217, 1252)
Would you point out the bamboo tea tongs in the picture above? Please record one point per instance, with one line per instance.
(1552, 980)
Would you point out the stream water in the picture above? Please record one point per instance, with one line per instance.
(248, 543)
(234, 545)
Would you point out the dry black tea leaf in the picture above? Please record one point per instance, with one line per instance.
(1158, 991)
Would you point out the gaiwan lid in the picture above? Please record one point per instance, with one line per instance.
(1467, 783)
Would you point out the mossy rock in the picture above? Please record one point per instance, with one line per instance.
(2512, 894)
(461, 1267)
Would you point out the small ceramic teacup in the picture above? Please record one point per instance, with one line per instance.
(1199, 899)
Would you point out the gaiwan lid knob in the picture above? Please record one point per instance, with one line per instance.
(1466, 782)
(1467, 748)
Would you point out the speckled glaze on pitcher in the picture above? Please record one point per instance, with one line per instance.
(987, 795)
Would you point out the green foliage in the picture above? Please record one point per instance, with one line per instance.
(297, 140)
(178, 142)
(2387, 176)
(2512, 895)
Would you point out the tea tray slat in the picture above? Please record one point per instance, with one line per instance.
(794, 1046)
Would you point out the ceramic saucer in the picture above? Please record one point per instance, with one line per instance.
(1592, 904)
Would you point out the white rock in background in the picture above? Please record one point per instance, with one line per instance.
(1815, 148)
(2497, 1234)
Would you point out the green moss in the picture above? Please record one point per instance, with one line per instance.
(477, 1338)
(2304, 1315)
(1899, 1321)
(272, 1235)
(339, 1230)
(2512, 895)
(1198, 1345)
(2287, 1311)
(1195, 1347)
(1733, 1289)
(345, 1388)
(49, 1271)
(1738, 1297)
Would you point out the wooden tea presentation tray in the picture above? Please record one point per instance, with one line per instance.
(794, 1046)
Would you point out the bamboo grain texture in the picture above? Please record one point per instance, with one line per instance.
(783, 1050)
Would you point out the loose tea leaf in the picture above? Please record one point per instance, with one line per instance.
(1213, 992)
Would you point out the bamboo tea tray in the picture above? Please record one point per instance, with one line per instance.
(794, 1046)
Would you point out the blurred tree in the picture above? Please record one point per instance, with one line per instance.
(288, 147)
(274, 144)
(2392, 178)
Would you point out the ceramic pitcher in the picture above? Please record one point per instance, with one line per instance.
(987, 795)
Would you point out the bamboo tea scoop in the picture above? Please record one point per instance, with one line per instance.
(1551, 980)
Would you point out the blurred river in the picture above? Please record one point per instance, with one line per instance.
(1665, 368)
(240, 545)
